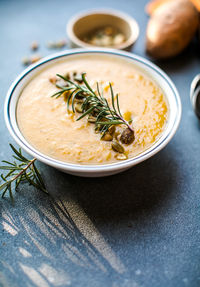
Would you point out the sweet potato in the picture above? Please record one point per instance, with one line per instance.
(171, 28)
(154, 4)
(196, 4)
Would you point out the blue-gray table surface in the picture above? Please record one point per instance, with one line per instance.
(138, 228)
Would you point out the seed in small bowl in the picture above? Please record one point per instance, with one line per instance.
(106, 37)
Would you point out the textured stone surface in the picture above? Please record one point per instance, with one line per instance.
(139, 228)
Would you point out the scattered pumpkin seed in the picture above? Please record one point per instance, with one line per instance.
(26, 61)
(117, 147)
(35, 58)
(34, 45)
(56, 44)
(30, 60)
(61, 43)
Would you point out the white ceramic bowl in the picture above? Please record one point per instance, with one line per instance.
(83, 23)
(94, 170)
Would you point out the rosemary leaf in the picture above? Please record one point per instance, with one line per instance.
(94, 104)
(19, 172)
(86, 113)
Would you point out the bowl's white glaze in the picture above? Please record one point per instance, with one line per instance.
(94, 170)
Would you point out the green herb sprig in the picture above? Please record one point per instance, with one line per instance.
(93, 103)
(24, 170)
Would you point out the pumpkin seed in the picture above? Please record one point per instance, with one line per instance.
(107, 137)
(35, 58)
(117, 135)
(98, 128)
(67, 76)
(62, 83)
(26, 61)
(56, 44)
(127, 136)
(121, 156)
(111, 129)
(118, 39)
(92, 119)
(78, 107)
(53, 80)
(117, 147)
(79, 100)
(34, 45)
(78, 78)
(61, 43)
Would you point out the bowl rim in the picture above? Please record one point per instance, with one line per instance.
(93, 168)
(131, 22)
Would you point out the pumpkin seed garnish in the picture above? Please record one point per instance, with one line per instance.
(78, 107)
(53, 80)
(121, 156)
(78, 78)
(111, 130)
(117, 147)
(92, 119)
(107, 137)
(127, 136)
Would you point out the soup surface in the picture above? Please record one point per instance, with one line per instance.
(49, 127)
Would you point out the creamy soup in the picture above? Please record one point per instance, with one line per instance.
(48, 126)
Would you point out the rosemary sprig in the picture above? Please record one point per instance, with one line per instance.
(24, 170)
(93, 103)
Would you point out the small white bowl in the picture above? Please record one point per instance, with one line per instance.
(85, 22)
(94, 170)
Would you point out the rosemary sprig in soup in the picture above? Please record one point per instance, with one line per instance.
(90, 103)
